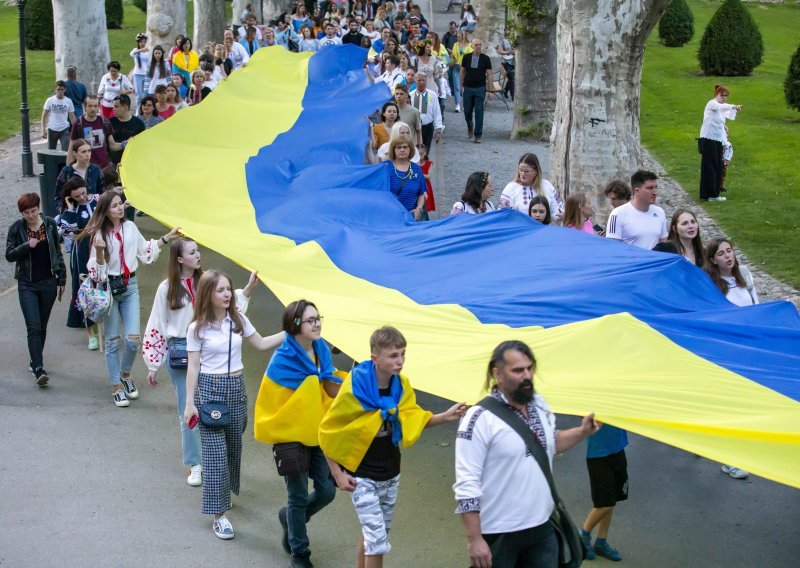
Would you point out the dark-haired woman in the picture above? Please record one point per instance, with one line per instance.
(158, 73)
(298, 387)
(215, 374)
(684, 234)
(112, 85)
(116, 247)
(185, 61)
(172, 312)
(32, 243)
(389, 115)
(141, 65)
(82, 167)
(148, 112)
(475, 199)
(539, 209)
(76, 208)
(712, 135)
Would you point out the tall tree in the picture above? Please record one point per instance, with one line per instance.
(165, 20)
(536, 70)
(600, 54)
(81, 39)
(209, 22)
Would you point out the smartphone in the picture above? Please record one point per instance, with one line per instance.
(193, 421)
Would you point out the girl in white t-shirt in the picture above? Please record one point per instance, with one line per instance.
(528, 183)
(733, 280)
(215, 374)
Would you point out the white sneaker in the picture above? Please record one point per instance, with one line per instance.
(735, 472)
(458, 108)
(120, 399)
(720, 198)
(130, 388)
(195, 478)
(223, 528)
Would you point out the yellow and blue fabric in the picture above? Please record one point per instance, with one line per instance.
(358, 412)
(292, 399)
(644, 339)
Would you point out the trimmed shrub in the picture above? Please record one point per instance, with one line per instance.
(39, 24)
(141, 4)
(732, 44)
(113, 14)
(791, 85)
(676, 27)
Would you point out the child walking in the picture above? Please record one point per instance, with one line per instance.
(374, 415)
(425, 164)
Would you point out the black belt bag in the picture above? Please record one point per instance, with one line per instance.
(291, 458)
(177, 356)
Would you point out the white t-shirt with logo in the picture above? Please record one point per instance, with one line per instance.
(326, 41)
(59, 109)
(638, 228)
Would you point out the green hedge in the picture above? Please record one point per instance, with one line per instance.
(113, 14)
(732, 44)
(791, 85)
(676, 27)
(39, 25)
(141, 4)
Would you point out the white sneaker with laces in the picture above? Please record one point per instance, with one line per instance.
(223, 528)
(458, 108)
(120, 399)
(735, 472)
(130, 388)
(195, 478)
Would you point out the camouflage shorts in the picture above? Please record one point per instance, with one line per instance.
(374, 502)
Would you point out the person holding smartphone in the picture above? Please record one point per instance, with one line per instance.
(32, 243)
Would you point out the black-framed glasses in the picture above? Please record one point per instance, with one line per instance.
(313, 321)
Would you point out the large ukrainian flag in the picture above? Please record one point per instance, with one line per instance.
(267, 172)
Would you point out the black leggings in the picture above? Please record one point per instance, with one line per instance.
(36, 300)
(710, 167)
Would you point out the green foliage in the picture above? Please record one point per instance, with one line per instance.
(732, 44)
(531, 15)
(676, 27)
(114, 14)
(141, 4)
(791, 85)
(39, 24)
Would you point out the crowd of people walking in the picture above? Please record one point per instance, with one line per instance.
(353, 423)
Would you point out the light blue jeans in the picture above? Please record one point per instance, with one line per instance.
(454, 78)
(125, 307)
(190, 438)
(140, 84)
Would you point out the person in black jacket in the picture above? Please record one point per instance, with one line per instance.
(33, 244)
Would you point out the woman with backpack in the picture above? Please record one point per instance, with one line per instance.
(165, 336)
(116, 248)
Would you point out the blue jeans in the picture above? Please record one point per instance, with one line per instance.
(126, 308)
(474, 99)
(190, 438)
(535, 547)
(303, 506)
(454, 78)
(140, 84)
(36, 300)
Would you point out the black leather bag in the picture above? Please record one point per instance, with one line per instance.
(291, 458)
(177, 356)
(117, 285)
(214, 413)
(570, 549)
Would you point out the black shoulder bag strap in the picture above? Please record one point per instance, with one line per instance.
(230, 341)
(507, 415)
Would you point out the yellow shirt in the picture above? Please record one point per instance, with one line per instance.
(459, 52)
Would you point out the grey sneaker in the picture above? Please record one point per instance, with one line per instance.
(735, 472)
(223, 528)
(130, 388)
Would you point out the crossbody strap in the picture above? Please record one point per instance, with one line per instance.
(504, 413)
(230, 342)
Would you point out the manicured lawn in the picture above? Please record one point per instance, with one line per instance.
(41, 68)
(762, 213)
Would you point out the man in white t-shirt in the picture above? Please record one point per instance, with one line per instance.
(640, 222)
(330, 36)
(503, 496)
(58, 117)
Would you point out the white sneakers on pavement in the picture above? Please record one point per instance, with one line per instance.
(195, 478)
(735, 472)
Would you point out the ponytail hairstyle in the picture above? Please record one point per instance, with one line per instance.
(498, 360)
(473, 192)
(204, 307)
(177, 295)
(293, 315)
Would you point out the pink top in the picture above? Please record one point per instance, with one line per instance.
(587, 227)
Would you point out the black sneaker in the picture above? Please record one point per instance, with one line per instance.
(41, 377)
(301, 561)
(130, 388)
(285, 527)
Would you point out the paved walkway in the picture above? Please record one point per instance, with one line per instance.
(83, 483)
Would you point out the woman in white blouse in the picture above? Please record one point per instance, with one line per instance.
(117, 248)
(526, 184)
(477, 193)
(165, 333)
(141, 65)
(215, 374)
(112, 85)
(712, 135)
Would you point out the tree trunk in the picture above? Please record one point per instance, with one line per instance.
(536, 72)
(209, 22)
(165, 20)
(238, 7)
(81, 39)
(272, 9)
(491, 23)
(600, 53)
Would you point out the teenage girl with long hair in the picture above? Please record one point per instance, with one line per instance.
(528, 182)
(117, 247)
(215, 374)
(684, 233)
(578, 213)
(173, 309)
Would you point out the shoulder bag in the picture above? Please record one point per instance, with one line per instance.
(177, 356)
(570, 550)
(214, 413)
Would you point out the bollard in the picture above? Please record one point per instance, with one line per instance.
(52, 162)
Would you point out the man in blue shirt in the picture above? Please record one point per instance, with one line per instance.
(76, 91)
(608, 478)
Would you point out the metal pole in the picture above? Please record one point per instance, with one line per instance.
(27, 156)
